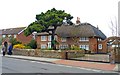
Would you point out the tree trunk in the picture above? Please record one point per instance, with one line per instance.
(52, 37)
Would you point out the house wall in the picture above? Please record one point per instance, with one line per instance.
(24, 39)
(39, 42)
(93, 43)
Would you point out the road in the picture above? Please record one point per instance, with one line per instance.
(11, 65)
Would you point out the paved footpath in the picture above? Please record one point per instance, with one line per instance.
(84, 64)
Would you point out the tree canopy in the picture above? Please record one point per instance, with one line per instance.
(51, 17)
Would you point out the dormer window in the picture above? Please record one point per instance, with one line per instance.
(99, 39)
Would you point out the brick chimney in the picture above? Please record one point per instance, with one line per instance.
(78, 21)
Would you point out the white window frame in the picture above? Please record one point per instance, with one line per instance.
(43, 38)
(84, 39)
(63, 39)
(49, 38)
(43, 46)
(99, 46)
(99, 39)
(86, 47)
(63, 46)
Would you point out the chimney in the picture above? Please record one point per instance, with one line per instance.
(78, 21)
(97, 27)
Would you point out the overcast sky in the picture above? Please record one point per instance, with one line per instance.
(20, 13)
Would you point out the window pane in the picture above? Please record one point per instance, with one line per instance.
(100, 46)
(49, 38)
(87, 47)
(43, 46)
(84, 39)
(43, 38)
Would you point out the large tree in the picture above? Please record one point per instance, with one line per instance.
(43, 21)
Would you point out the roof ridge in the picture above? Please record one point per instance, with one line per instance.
(14, 28)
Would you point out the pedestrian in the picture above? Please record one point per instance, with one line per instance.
(6, 46)
(3, 49)
(10, 49)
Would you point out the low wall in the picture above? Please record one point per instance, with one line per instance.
(64, 54)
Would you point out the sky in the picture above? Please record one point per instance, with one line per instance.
(20, 13)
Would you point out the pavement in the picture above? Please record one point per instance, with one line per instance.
(83, 64)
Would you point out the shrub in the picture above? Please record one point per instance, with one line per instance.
(20, 46)
(32, 44)
(27, 47)
(75, 48)
(50, 49)
(14, 41)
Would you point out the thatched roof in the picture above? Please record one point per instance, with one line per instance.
(82, 30)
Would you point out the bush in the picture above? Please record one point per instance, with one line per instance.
(20, 46)
(27, 47)
(32, 44)
(75, 48)
(14, 41)
(49, 49)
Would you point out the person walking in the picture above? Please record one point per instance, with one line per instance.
(3, 49)
(10, 49)
(6, 46)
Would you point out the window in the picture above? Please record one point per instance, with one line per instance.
(63, 39)
(84, 39)
(43, 38)
(3, 36)
(63, 46)
(43, 46)
(86, 47)
(99, 39)
(49, 38)
(100, 46)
